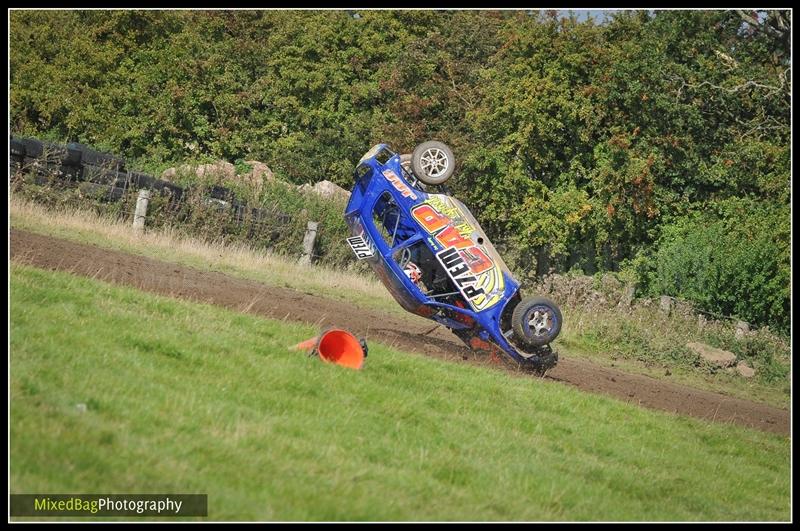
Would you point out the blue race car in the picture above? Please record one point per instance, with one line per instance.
(436, 261)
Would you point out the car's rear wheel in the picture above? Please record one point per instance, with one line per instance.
(433, 162)
(536, 321)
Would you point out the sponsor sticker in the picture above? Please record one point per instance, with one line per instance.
(361, 246)
(453, 262)
(399, 184)
(467, 263)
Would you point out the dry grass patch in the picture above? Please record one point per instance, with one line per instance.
(236, 259)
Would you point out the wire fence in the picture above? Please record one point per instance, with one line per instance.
(76, 176)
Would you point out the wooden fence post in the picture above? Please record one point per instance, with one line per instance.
(308, 242)
(665, 304)
(141, 210)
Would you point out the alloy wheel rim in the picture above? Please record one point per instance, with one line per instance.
(434, 162)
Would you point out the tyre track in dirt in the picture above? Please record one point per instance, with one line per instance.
(412, 334)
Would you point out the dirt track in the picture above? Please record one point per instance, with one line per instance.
(245, 295)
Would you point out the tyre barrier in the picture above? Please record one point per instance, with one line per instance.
(44, 171)
(52, 153)
(102, 192)
(221, 193)
(17, 149)
(99, 174)
(97, 158)
(140, 180)
(104, 176)
(79, 162)
(32, 148)
(166, 187)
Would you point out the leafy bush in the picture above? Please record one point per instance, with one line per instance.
(734, 261)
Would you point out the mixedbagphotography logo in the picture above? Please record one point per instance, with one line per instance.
(109, 505)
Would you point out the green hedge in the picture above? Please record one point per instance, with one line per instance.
(732, 260)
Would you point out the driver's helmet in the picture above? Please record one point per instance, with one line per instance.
(413, 272)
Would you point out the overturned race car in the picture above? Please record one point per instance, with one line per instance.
(436, 261)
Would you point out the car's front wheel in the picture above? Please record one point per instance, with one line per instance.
(536, 321)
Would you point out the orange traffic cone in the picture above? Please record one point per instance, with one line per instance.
(307, 345)
(336, 346)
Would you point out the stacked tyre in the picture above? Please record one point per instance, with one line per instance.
(102, 171)
(103, 174)
(45, 159)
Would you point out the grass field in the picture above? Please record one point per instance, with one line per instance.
(578, 339)
(182, 397)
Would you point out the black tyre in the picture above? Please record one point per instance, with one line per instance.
(33, 147)
(72, 173)
(166, 187)
(17, 148)
(72, 157)
(536, 321)
(39, 167)
(176, 192)
(220, 192)
(54, 153)
(116, 193)
(99, 174)
(97, 158)
(433, 162)
(141, 180)
(123, 180)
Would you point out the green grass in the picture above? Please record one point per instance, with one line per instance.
(183, 397)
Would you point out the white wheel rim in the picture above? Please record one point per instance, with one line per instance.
(434, 162)
(540, 323)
